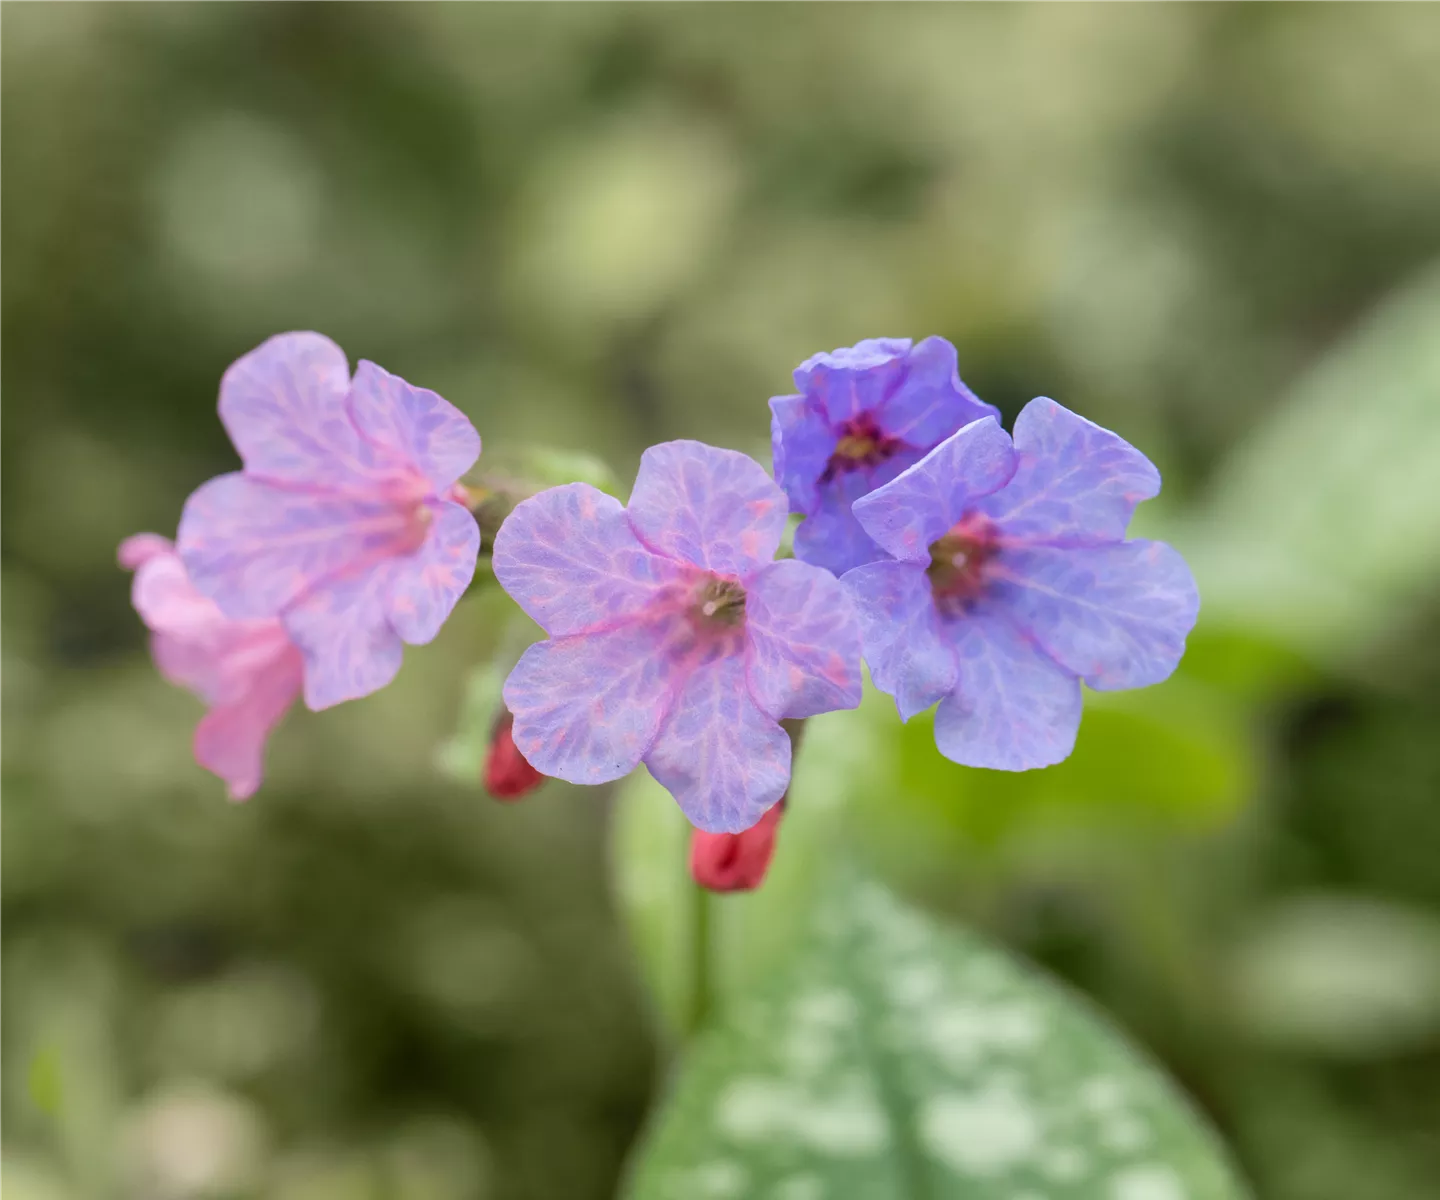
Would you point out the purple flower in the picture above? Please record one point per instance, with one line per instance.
(247, 672)
(674, 639)
(864, 415)
(1014, 581)
(344, 523)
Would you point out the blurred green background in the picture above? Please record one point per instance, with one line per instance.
(1212, 228)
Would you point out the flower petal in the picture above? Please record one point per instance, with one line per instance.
(908, 654)
(714, 508)
(1075, 483)
(256, 548)
(413, 425)
(341, 628)
(932, 402)
(802, 654)
(801, 443)
(588, 707)
(425, 586)
(722, 759)
(1013, 708)
(856, 378)
(140, 548)
(570, 558)
(283, 405)
(168, 602)
(831, 537)
(230, 739)
(1115, 615)
(920, 505)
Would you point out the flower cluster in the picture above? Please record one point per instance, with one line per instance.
(987, 573)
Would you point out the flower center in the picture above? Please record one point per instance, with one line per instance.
(862, 443)
(719, 604)
(958, 561)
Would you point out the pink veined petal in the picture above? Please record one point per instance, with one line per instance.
(284, 406)
(1013, 708)
(1074, 484)
(230, 739)
(714, 508)
(801, 443)
(1116, 615)
(570, 558)
(425, 585)
(915, 509)
(588, 707)
(413, 425)
(349, 645)
(139, 548)
(909, 656)
(257, 548)
(802, 655)
(723, 760)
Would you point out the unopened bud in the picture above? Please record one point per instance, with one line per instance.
(508, 776)
(735, 862)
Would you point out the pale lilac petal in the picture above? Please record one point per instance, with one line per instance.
(284, 406)
(349, 645)
(413, 425)
(801, 443)
(714, 508)
(931, 402)
(854, 379)
(587, 708)
(570, 558)
(908, 514)
(1075, 483)
(909, 656)
(1115, 615)
(230, 739)
(425, 585)
(1013, 708)
(140, 548)
(802, 641)
(722, 759)
(256, 548)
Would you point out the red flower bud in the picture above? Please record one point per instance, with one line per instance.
(507, 775)
(735, 862)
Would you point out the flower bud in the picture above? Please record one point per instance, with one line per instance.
(507, 774)
(735, 862)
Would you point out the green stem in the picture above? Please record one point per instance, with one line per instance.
(700, 965)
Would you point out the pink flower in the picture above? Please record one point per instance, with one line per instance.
(247, 672)
(345, 523)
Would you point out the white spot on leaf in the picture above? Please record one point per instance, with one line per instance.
(1153, 1181)
(984, 1133)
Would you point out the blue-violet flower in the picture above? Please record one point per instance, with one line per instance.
(1013, 581)
(863, 415)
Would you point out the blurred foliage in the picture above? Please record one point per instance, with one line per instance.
(1211, 228)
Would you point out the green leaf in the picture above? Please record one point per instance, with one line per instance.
(1325, 525)
(892, 1057)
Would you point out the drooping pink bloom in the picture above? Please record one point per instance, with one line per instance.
(675, 640)
(345, 523)
(248, 673)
